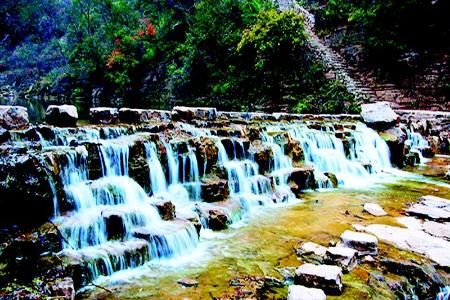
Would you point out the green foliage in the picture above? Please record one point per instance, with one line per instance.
(387, 29)
(234, 55)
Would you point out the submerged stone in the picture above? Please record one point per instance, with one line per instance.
(374, 209)
(300, 292)
(326, 277)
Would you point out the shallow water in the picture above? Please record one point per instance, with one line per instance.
(266, 243)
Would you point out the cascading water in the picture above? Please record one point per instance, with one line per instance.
(112, 224)
(416, 143)
(326, 153)
(281, 166)
(244, 180)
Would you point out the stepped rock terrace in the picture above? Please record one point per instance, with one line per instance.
(139, 186)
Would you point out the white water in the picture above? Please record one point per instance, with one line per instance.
(144, 236)
(416, 142)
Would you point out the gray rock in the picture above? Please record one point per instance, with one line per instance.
(184, 113)
(379, 115)
(61, 115)
(431, 207)
(413, 240)
(341, 256)
(374, 209)
(188, 282)
(103, 115)
(365, 244)
(62, 288)
(13, 117)
(300, 292)
(326, 277)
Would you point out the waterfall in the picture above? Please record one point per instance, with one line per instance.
(326, 153)
(112, 224)
(244, 180)
(281, 166)
(416, 143)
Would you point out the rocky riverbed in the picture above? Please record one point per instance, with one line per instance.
(198, 203)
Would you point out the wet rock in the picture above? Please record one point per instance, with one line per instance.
(302, 178)
(133, 116)
(166, 209)
(295, 152)
(218, 220)
(28, 180)
(115, 226)
(13, 117)
(341, 256)
(374, 209)
(207, 153)
(310, 247)
(103, 115)
(379, 115)
(413, 240)
(188, 282)
(215, 190)
(412, 159)
(300, 292)
(395, 139)
(431, 207)
(365, 244)
(137, 163)
(21, 256)
(4, 135)
(333, 179)
(262, 155)
(62, 115)
(62, 288)
(328, 278)
(425, 279)
(187, 114)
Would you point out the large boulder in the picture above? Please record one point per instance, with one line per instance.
(326, 277)
(301, 179)
(379, 115)
(104, 115)
(13, 117)
(62, 115)
(395, 138)
(187, 114)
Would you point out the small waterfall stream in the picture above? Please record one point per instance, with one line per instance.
(112, 224)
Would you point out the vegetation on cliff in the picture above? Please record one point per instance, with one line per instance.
(235, 55)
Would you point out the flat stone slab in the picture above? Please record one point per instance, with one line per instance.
(440, 230)
(364, 244)
(326, 277)
(311, 248)
(374, 209)
(341, 256)
(436, 249)
(300, 292)
(431, 207)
